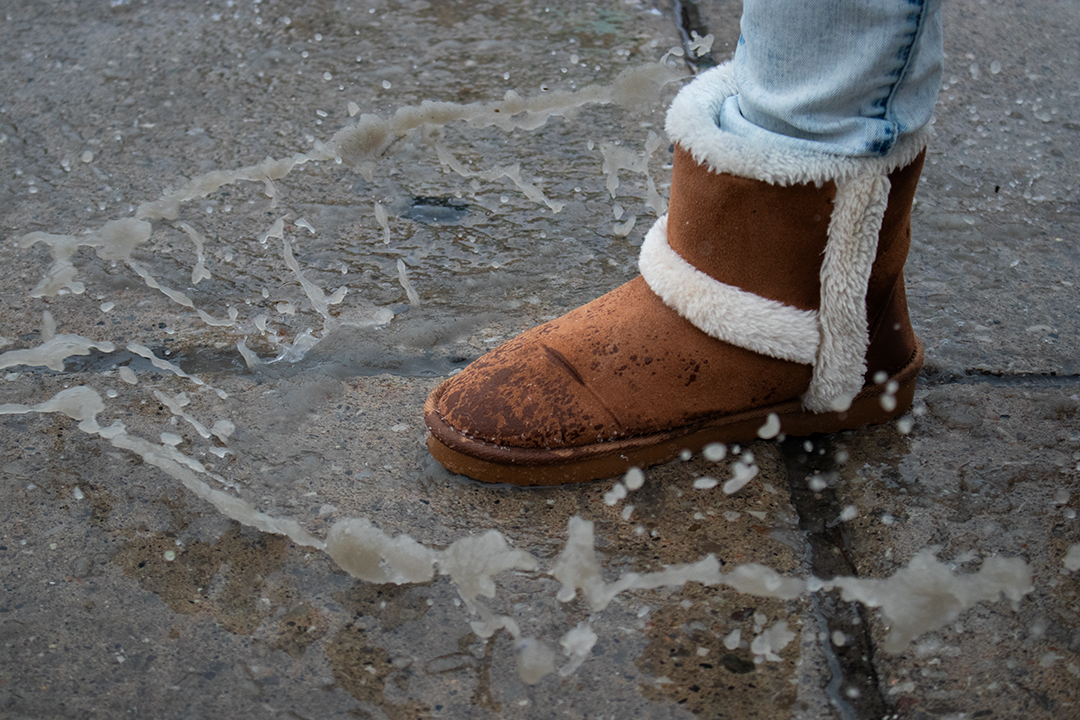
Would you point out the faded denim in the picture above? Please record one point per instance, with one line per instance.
(847, 77)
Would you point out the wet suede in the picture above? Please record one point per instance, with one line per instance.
(766, 239)
(624, 364)
(627, 365)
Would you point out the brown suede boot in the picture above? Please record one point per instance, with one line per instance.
(773, 287)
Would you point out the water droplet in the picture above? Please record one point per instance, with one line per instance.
(715, 452)
(771, 428)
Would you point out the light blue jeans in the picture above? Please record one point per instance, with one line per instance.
(848, 77)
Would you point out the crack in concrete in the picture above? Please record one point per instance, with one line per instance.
(688, 20)
(935, 378)
(854, 689)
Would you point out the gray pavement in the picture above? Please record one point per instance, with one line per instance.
(125, 593)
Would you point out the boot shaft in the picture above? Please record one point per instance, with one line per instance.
(770, 240)
(808, 247)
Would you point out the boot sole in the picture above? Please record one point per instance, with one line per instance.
(492, 463)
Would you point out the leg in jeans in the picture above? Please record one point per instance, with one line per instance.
(849, 77)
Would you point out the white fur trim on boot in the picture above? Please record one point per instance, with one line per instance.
(724, 311)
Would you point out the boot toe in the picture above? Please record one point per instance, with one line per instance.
(524, 394)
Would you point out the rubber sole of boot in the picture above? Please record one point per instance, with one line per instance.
(493, 463)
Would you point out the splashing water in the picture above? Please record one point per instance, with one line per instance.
(920, 597)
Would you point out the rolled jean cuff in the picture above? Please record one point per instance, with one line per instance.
(847, 77)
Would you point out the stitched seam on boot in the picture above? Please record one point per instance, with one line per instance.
(562, 361)
(724, 311)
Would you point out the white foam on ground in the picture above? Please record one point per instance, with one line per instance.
(359, 144)
(743, 474)
(53, 352)
(199, 272)
(161, 364)
(1072, 558)
(770, 642)
(384, 222)
(577, 644)
(403, 278)
(926, 594)
(319, 301)
(921, 597)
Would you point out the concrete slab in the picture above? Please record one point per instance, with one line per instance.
(125, 593)
(1011, 491)
(991, 271)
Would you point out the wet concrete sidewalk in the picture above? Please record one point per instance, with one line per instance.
(126, 594)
